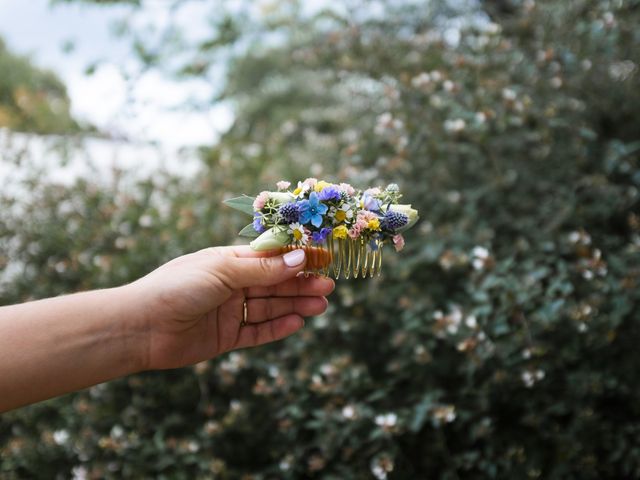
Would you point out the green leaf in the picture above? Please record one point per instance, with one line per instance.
(248, 231)
(243, 203)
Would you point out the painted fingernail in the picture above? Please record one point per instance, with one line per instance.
(293, 258)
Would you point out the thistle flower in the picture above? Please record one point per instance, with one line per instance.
(290, 212)
(411, 213)
(394, 220)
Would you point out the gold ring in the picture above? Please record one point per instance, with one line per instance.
(244, 313)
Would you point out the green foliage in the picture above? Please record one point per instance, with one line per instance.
(32, 99)
(500, 344)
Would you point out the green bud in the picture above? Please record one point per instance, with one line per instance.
(276, 237)
(282, 197)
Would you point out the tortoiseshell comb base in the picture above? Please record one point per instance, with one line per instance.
(346, 257)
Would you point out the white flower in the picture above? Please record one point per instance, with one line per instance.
(388, 420)
(421, 80)
(61, 437)
(508, 94)
(348, 412)
(471, 321)
(381, 466)
(480, 252)
(302, 189)
(444, 414)
(456, 125)
(299, 233)
(341, 214)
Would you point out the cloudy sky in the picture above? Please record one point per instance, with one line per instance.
(37, 29)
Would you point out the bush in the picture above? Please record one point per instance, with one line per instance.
(500, 344)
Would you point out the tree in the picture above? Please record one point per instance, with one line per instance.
(32, 99)
(500, 344)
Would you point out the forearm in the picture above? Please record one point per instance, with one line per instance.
(58, 345)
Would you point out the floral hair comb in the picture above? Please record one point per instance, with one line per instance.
(342, 230)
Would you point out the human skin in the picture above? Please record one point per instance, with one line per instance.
(186, 311)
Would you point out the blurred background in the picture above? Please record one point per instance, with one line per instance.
(501, 343)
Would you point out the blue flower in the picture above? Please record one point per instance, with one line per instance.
(312, 210)
(330, 193)
(320, 236)
(257, 223)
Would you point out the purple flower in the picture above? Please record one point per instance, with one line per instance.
(257, 223)
(312, 210)
(290, 212)
(393, 220)
(330, 193)
(370, 203)
(320, 236)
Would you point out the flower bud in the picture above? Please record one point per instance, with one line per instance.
(273, 238)
(281, 197)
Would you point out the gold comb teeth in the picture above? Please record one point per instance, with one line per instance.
(346, 257)
(342, 230)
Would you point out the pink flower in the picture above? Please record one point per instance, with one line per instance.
(310, 182)
(372, 191)
(354, 232)
(261, 199)
(398, 242)
(364, 216)
(283, 185)
(348, 189)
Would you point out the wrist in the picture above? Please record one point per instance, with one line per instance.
(132, 335)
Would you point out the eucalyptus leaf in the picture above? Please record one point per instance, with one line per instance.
(249, 231)
(243, 204)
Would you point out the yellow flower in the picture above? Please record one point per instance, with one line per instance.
(297, 191)
(320, 185)
(340, 232)
(341, 215)
(374, 224)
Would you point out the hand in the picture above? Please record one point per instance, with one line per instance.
(191, 308)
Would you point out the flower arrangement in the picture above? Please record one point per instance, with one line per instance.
(342, 229)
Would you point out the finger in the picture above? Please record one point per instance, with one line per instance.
(295, 287)
(262, 309)
(265, 332)
(239, 272)
(245, 251)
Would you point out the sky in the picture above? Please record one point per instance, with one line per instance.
(39, 30)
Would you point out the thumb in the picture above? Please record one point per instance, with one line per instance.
(238, 272)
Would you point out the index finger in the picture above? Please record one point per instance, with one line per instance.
(294, 287)
(245, 251)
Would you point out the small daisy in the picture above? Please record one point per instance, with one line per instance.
(299, 233)
(301, 190)
(341, 214)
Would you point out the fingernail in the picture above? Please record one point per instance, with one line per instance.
(293, 258)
